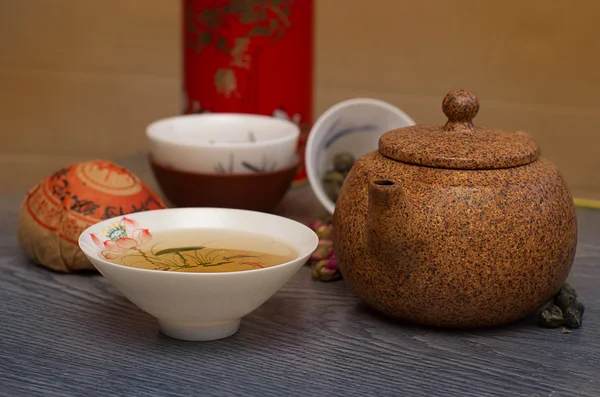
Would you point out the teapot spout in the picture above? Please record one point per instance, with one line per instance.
(389, 222)
(384, 193)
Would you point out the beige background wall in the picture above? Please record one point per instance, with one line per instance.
(81, 79)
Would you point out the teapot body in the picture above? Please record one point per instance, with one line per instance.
(454, 248)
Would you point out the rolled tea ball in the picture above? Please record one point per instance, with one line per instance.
(551, 317)
(574, 314)
(573, 317)
(332, 183)
(567, 289)
(343, 162)
(334, 179)
(577, 305)
(564, 300)
(55, 212)
(565, 297)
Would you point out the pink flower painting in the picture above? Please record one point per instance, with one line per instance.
(123, 237)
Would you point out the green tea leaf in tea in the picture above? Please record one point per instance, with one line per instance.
(240, 257)
(216, 264)
(178, 250)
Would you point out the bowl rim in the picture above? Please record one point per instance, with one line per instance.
(279, 171)
(154, 136)
(317, 131)
(300, 257)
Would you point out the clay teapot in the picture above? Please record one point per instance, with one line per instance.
(456, 225)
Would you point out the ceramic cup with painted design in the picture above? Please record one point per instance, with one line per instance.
(194, 306)
(224, 143)
(353, 126)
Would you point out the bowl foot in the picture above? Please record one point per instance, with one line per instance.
(199, 331)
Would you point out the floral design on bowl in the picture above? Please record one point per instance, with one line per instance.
(335, 134)
(121, 237)
(127, 241)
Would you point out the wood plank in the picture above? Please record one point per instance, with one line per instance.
(309, 339)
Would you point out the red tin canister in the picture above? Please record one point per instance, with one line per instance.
(250, 56)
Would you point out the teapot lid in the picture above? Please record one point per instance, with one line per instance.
(459, 144)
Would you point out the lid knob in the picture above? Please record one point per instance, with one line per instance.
(460, 107)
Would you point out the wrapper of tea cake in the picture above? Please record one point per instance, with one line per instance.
(55, 212)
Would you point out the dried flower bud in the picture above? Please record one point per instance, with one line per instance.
(326, 270)
(323, 251)
(324, 230)
(315, 224)
(332, 265)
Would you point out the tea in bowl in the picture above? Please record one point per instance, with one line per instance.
(198, 270)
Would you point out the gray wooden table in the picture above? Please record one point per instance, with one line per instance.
(75, 335)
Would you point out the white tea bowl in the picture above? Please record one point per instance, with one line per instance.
(195, 306)
(228, 143)
(353, 126)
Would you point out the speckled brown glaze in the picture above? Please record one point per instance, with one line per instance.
(454, 247)
(459, 144)
(460, 107)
